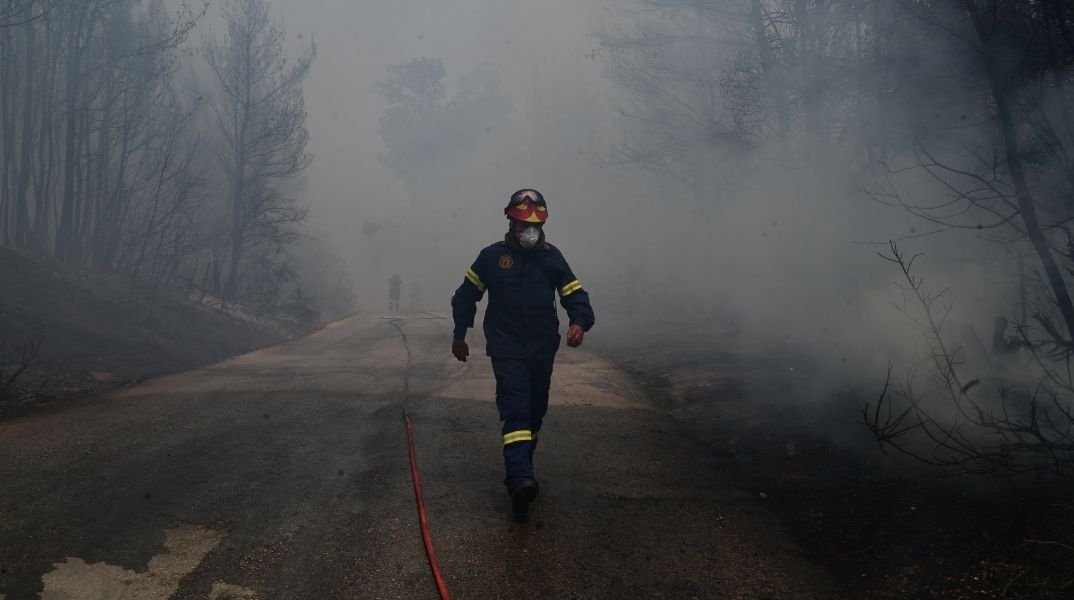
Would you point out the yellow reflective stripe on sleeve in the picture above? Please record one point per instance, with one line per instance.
(474, 279)
(522, 435)
(570, 288)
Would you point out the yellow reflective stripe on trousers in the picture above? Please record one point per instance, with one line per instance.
(474, 279)
(522, 435)
(570, 288)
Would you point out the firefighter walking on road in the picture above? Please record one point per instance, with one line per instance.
(522, 275)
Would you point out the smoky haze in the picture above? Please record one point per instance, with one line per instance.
(828, 245)
(775, 239)
(538, 53)
(722, 169)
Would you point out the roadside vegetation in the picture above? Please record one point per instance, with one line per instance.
(957, 113)
(149, 170)
(957, 116)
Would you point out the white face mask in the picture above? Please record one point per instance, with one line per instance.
(529, 236)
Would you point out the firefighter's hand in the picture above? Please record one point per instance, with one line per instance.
(575, 333)
(460, 349)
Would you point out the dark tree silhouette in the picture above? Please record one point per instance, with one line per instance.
(261, 115)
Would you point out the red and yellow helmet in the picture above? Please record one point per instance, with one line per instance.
(527, 205)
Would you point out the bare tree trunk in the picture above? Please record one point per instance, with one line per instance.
(46, 154)
(9, 78)
(263, 120)
(232, 287)
(768, 67)
(65, 231)
(22, 208)
(1026, 203)
(118, 200)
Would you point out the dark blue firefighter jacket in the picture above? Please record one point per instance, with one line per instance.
(521, 320)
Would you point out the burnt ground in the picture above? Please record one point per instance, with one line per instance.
(97, 330)
(883, 528)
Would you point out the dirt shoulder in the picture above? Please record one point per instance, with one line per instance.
(95, 330)
(880, 528)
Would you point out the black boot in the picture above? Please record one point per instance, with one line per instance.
(522, 493)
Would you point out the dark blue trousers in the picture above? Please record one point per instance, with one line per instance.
(522, 399)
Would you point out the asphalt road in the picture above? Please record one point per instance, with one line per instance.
(284, 474)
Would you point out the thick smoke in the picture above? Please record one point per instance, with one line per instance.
(693, 180)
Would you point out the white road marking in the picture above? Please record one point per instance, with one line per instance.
(186, 547)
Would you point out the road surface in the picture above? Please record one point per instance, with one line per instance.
(284, 474)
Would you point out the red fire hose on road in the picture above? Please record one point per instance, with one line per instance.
(441, 587)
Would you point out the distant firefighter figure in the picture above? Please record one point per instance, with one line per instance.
(394, 284)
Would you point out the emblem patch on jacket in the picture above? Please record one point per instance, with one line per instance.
(506, 261)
